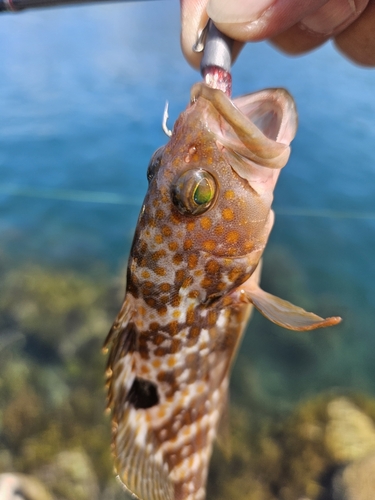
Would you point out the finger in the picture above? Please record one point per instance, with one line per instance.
(358, 40)
(249, 20)
(296, 41)
(193, 19)
(329, 20)
(334, 16)
(274, 19)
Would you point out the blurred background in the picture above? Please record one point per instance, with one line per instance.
(82, 93)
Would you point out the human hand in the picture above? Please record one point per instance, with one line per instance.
(294, 26)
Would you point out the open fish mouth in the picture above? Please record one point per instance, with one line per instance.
(258, 127)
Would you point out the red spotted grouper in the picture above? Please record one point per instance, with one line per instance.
(191, 282)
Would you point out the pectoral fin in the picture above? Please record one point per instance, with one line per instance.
(285, 314)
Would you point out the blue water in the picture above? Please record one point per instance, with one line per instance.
(82, 92)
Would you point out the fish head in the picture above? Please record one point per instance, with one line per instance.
(211, 187)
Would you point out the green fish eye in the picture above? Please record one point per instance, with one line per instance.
(194, 191)
(203, 192)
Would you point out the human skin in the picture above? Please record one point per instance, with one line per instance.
(293, 26)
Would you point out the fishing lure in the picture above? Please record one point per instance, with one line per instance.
(192, 279)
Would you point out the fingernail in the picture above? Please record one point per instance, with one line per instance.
(329, 17)
(237, 11)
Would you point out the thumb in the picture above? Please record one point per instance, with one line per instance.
(253, 20)
(194, 18)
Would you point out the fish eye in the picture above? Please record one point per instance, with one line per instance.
(154, 163)
(194, 192)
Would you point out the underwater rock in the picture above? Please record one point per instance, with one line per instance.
(322, 436)
(51, 373)
(71, 476)
(350, 433)
(6, 459)
(296, 458)
(22, 487)
(57, 312)
(22, 416)
(356, 481)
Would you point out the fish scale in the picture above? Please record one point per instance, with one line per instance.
(192, 278)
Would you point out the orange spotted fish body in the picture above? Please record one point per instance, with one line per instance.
(201, 232)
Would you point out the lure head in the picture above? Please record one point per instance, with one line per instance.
(211, 189)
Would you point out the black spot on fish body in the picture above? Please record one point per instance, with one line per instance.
(143, 394)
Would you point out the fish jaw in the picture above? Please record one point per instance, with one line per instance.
(254, 132)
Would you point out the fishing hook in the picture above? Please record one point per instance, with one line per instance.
(165, 119)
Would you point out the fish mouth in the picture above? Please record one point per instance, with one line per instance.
(258, 126)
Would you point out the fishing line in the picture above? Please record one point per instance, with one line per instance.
(323, 213)
(105, 197)
(71, 195)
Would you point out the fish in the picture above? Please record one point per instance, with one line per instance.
(192, 281)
